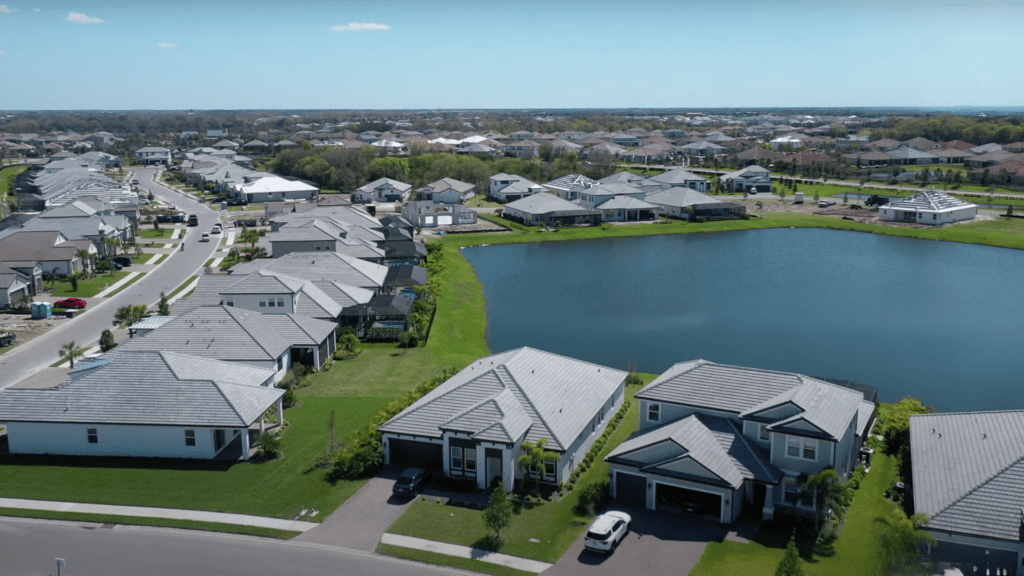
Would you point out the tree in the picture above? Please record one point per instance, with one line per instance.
(533, 458)
(163, 308)
(790, 563)
(894, 422)
(70, 350)
(830, 494)
(498, 515)
(128, 315)
(901, 543)
(107, 340)
(74, 281)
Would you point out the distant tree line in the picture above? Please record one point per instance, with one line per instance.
(973, 129)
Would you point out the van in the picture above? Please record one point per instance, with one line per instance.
(193, 220)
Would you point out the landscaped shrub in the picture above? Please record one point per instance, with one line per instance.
(598, 445)
(270, 446)
(857, 477)
(591, 497)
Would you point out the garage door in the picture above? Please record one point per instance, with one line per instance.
(631, 488)
(669, 497)
(412, 453)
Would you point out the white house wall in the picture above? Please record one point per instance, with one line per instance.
(282, 247)
(675, 412)
(113, 440)
(252, 302)
(579, 448)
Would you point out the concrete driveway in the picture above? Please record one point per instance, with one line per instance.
(659, 543)
(359, 522)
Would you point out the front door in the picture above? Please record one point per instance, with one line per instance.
(219, 439)
(493, 457)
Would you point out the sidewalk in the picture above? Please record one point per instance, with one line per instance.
(117, 284)
(514, 562)
(147, 512)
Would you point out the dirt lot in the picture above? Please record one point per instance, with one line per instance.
(25, 328)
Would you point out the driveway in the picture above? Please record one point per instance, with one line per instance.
(659, 543)
(359, 523)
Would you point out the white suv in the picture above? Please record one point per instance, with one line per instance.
(607, 532)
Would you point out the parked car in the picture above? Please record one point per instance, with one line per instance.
(123, 260)
(135, 182)
(70, 303)
(410, 482)
(607, 532)
(205, 238)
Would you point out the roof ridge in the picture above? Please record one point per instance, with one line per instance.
(504, 368)
(246, 313)
(746, 444)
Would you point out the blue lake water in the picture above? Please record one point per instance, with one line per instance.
(937, 320)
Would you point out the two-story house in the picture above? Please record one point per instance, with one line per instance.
(617, 203)
(153, 155)
(511, 187)
(382, 190)
(448, 191)
(715, 438)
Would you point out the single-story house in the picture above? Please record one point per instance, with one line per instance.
(13, 287)
(448, 191)
(677, 177)
(384, 317)
(967, 471)
(687, 203)
(715, 438)
(928, 207)
(320, 266)
(474, 425)
(382, 190)
(275, 189)
(549, 210)
(750, 179)
(908, 155)
(150, 404)
(569, 186)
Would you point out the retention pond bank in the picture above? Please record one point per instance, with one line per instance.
(936, 320)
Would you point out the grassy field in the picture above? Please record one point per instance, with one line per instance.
(857, 550)
(88, 287)
(164, 232)
(453, 561)
(137, 521)
(481, 201)
(554, 523)
(7, 177)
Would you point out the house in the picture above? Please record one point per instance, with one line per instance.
(14, 286)
(568, 186)
(919, 143)
(966, 476)
(384, 317)
(448, 191)
(510, 187)
(429, 214)
(550, 210)
(473, 425)
(750, 179)
(382, 190)
(617, 202)
(274, 189)
(928, 207)
(951, 155)
(624, 177)
(908, 155)
(688, 204)
(701, 148)
(522, 149)
(715, 438)
(651, 154)
(310, 236)
(155, 404)
(677, 177)
(602, 151)
(225, 145)
(153, 155)
(758, 154)
(321, 267)
(50, 250)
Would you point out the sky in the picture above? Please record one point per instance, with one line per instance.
(454, 54)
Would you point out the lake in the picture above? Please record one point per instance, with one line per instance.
(936, 320)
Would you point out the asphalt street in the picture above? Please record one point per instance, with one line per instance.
(29, 358)
(29, 547)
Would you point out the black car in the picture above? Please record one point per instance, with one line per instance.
(193, 220)
(410, 482)
(123, 260)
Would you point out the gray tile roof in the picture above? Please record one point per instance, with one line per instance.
(677, 176)
(826, 407)
(220, 332)
(500, 418)
(681, 197)
(302, 330)
(712, 442)
(154, 388)
(542, 203)
(561, 396)
(968, 471)
(625, 203)
(321, 266)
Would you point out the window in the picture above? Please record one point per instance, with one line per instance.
(280, 363)
(470, 460)
(549, 468)
(803, 448)
(280, 301)
(270, 302)
(762, 431)
(263, 302)
(229, 302)
(93, 436)
(654, 412)
(794, 495)
(190, 437)
(456, 459)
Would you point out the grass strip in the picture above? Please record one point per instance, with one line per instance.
(155, 233)
(183, 285)
(87, 287)
(445, 560)
(142, 521)
(134, 279)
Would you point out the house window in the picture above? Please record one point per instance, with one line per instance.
(93, 436)
(654, 412)
(549, 469)
(190, 437)
(280, 363)
(270, 302)
(470, 461)
(229, 302)
(456, 464)
(803, 448)
(263, 302)
(762, 431)
(794, 495)
(280, 301)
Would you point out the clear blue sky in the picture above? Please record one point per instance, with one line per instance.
(226, 54)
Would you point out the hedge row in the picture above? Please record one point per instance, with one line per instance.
(598, 445)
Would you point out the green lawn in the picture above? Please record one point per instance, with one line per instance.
(87, 288)
(144, 258)
(481, 201)
(164, 232)
(276, 489)
(453, 561)
(383, 369)
(182, 286)
(554, 523)
(857, 550)
(7, 177)
(127, 284)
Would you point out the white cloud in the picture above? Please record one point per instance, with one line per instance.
(79, 18)
(5, 10)
(357, 26)
(167, 45)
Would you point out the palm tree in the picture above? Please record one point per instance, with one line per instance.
(902, 540)
(71, 351)
(534, 456)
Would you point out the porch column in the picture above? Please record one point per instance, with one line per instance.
(769, 503)
(263, 423)
(245, 443)
(280, 412)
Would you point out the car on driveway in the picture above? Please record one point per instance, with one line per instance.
(607, 532)
(70, 303)
(410, 482)
(123, 260)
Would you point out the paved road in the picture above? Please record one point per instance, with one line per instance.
(28, 547)
(85, 330)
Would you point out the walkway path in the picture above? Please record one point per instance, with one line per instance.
(148, 512)
(515, 562)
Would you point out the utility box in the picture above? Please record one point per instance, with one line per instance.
(798, 198)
